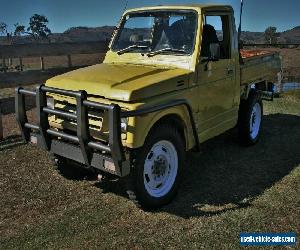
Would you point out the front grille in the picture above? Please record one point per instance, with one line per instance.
(96, 118)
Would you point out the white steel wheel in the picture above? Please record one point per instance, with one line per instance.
(255, 120)
(160, 169)
(250, 119)
(157, 168)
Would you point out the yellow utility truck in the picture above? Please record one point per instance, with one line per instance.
(173, 77)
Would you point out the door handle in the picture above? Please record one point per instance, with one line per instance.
(230, 71)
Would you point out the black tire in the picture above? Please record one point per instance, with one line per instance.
(246, 137)
(57, 161)
(137, 190)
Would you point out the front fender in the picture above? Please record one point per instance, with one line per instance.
(141, 124)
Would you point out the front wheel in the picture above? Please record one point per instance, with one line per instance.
(157, 168)
(250, 119)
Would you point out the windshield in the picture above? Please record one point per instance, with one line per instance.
(158, 31)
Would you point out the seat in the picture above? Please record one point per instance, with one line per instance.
(181, 33)
(209, 36)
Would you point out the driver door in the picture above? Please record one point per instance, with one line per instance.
(217, 79)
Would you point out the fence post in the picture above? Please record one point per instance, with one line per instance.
(69, 61)
(21, 63)
(279, 79)
(3, 64)
(10, 62)
(1, 126)
(42, 63)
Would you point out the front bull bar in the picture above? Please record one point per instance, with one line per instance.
(81, 147)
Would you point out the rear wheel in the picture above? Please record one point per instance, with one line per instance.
(250, 119)
(157, 168)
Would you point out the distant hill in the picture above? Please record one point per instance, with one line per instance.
(253, 37)
(79, 34)
(74, 34)
(291, 36)
(288, 36)
(86, 34)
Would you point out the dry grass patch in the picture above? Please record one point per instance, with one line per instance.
(226, 190)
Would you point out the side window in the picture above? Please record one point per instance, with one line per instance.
(216, 22)
(216, 29)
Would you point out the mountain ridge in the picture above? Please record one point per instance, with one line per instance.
(104, 33)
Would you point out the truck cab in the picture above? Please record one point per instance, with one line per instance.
(191, 31)
(173, 78)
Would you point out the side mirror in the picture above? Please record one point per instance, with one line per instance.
(214, 51)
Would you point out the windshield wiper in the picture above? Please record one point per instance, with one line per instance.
(160, 51)
(131, 47)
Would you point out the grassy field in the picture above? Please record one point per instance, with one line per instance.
(290, 60)
(227, 189)
(31, 63)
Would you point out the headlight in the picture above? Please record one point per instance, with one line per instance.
(124, 124)
(50, 102)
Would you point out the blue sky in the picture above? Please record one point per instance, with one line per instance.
(62, 14)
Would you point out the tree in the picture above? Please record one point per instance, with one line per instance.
(4, 32)
(19, 29)
(38, 27)
(271, 35)
(3, 28)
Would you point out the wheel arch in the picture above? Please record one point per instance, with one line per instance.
(174, 120)
(177, 116)
(256, 86)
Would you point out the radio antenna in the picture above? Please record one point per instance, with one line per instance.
(241, 14)
(126, 4)
(240, 29)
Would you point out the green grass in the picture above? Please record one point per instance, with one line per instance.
(227, 189)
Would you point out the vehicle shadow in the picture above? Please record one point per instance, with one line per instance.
(225, 176)
(11, 142)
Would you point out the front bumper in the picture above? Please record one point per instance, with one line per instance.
(82, 147)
